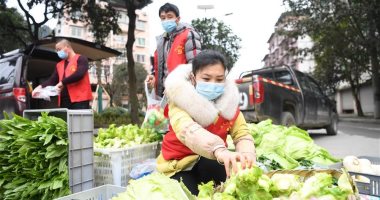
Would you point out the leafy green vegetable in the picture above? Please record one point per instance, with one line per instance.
(280, 147)
(305, 163)
(344, 183)
(315, 184)
(246, 184)
(155, 186)
(252, 184)
(323, 186)
(269, 163)
(223, 196)
(125, 136)
(33, 158)
(285, 184)
(265, 182)
(206, 191)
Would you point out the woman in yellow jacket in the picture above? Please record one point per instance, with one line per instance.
(203, 110)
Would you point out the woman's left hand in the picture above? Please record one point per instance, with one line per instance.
(230, 160)
(250, 158)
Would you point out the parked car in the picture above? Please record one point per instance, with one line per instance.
(288, 97)
(22, 70)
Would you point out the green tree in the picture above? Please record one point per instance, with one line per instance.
(12, 29)
(218, 36)
(132, 6)
(346, 36)
(101, 16)
(341, 58)
(119, 85)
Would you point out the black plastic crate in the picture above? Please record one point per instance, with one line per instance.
(373, 187)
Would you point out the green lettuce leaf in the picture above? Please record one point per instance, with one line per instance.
(154, 186)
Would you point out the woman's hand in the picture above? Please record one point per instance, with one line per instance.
(230, 160)
(250, 158)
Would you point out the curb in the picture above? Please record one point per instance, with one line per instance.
(359, 120)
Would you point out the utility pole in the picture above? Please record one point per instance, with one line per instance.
(206, 7)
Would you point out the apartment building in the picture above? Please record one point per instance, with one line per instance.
(68, 28)
(284, 50)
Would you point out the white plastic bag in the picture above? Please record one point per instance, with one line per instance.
(154, 117)
(46, 92)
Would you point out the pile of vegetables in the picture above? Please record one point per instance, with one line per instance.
(125, 136)
(280, 147)
(363, 165)
(33, 158)
(156, 120)
(155, 186)
(252, 184)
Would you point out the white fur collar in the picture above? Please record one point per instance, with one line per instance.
(182, 93)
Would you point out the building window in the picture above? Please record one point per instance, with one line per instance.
(120, 38)
(141, 42)
(123, 18)
(140, 25)
(140, 58)
(76, 14)
(92, 70)
(123, 56)
(76, 31)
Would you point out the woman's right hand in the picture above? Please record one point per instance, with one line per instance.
(230, 160)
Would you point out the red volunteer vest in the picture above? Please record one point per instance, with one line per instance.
(173, 149)
(176, 54)
(78, 91)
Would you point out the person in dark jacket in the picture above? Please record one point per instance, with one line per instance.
(70, 77)
(179, 44)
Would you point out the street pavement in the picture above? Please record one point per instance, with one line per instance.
(355, 137)
(354, 118)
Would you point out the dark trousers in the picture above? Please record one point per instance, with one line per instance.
(203, 171)
(66, 103)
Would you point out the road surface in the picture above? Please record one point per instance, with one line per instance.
(359, 139)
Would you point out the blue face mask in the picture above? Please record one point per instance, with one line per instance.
(210, 90)
(169, 25)
(62, 54)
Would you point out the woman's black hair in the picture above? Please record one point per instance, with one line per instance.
(208, 57)
(167, 7)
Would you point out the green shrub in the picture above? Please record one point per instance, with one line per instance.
(113, 115)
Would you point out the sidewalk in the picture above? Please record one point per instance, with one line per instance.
(355, 118)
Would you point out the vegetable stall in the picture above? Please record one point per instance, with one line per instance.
(33, 158)
(35, 155)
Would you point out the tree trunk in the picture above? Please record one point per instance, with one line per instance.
(132, 81)
(373, 53)
(355, 95)
(98, 68)
(376, 86)
(358, 104)
(110, 93)
(111, 101)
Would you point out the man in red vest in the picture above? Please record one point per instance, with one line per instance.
(70, 77)
(178, 45)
